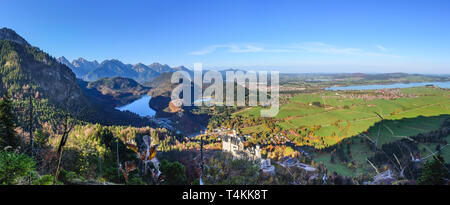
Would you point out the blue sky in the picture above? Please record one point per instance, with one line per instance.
(289, 36)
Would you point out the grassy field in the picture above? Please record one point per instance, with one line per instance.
(419, 110)
(340, 115)
(404, 127)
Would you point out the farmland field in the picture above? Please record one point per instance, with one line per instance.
(342, 114)
(399, 128)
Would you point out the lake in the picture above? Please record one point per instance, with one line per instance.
(140, 106)
(396, 85)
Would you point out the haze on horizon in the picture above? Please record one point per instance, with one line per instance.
(319, 36)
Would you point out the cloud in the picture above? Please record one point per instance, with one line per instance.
(245, 49)
(319, 47)
(233, 48)
(382, 48)
(230, 47)
(308, 47)
(206, 50)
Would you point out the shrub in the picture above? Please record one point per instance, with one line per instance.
(70, 176)
(136, 181)
(175, 172)
(14, 167)
(317, 104)
(434, 172)
(44, 180)
(67, 177)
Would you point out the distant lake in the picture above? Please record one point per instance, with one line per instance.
(140, 106)
(396, 85)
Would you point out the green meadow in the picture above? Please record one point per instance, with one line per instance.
(420, 110)
(391, 131)
(340, 116)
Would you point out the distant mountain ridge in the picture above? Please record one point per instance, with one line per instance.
(92, 70)
(116, 91)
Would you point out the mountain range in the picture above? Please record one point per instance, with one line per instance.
(26, 71)
(92, 70)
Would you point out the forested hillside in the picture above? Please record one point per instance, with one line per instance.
(29, 73)
(42, 105)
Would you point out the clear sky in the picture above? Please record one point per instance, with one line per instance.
(289, 36)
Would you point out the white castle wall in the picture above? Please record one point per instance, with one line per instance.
(233, 143)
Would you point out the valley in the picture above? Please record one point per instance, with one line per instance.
(85, 122)
(355, 121)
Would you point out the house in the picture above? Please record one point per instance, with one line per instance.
(288, 162)
(266, 167)
(383, 178)
(306, 154)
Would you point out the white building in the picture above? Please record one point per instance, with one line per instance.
(266, 167)
(234, 144)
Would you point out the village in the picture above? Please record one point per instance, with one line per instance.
(385, 94)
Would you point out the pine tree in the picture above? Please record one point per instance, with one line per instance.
(7, 134)
(434, 172)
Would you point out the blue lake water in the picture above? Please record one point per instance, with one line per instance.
(140, 106)
(396, 85)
